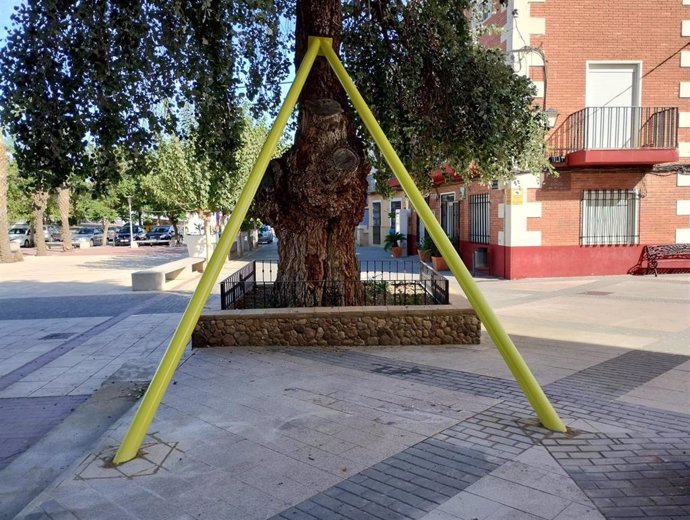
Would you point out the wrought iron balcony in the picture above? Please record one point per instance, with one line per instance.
(609, 136)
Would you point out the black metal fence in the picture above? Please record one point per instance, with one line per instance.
(237, 285)
(382, 283)
(438, 284)
(611, 128)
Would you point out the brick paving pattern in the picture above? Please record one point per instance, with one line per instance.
(407, 485)
(640, 473)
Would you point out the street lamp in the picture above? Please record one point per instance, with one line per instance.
(131, 231)
(552, 117)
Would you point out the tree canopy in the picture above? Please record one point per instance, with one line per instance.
(114, 74)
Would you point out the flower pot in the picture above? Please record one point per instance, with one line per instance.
(424, 256)
(397, 251)
(439, 263)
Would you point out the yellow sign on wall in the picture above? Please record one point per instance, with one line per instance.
(515, 196)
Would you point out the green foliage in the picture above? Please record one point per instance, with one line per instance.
(392, 240)
(38, 97)
(427, 244)
(92, 207)
(115, 74)
(18, 196)
(441, 98)
(181, 178)
(87, 87)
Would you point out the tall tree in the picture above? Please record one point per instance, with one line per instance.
(39, 102)
(40, 204)
(314, 195)
(442, 100)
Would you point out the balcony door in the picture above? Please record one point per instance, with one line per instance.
(612, 116)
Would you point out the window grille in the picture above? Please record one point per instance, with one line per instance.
(610, 217)
(479, 218)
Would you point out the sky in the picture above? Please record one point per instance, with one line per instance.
(6, 10)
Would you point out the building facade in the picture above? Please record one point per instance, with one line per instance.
(615, 77)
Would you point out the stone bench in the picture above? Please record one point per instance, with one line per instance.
(154, 279)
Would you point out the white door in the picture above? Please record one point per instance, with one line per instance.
(612, 91)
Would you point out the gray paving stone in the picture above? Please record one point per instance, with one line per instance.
(519, 497)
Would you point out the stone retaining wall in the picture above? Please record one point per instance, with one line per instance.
(346, 326)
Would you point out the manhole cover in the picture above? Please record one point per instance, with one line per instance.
(58, 335)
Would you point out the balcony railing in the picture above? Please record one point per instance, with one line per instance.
(615, 128)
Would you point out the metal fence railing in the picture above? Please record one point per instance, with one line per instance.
(237, 285)
(382, 282)
(438, 284)
(613, 128)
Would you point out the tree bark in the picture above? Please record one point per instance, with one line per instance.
(63, 206)
(106, 228)
(40, 201)
(315, 194)
(6, 254)
(174, 221)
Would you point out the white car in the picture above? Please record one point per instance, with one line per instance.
(21, 235)
(265, 235)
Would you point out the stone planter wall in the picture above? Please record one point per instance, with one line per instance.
(341, 326)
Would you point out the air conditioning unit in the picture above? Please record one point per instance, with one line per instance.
(462, 192)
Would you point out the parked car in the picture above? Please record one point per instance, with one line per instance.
(92, 235)
(265, 235)
(112, 233)
(51, 233)
(123, 239)
(21, 235)
(162, 234)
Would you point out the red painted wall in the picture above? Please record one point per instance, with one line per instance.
(557, 261)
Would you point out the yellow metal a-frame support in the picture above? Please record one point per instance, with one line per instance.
(323, 46)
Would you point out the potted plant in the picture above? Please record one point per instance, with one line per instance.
(392, 243)
(424, 248)
(437, 260)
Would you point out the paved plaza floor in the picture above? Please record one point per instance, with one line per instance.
(433, 433)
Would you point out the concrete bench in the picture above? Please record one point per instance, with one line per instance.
(154, 279)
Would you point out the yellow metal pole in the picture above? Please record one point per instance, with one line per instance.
(137, 430)
(541, 404)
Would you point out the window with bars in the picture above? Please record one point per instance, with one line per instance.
(610, 217)
(479, 218)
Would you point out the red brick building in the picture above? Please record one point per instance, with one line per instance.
(618, 75)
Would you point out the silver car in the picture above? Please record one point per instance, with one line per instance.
(94, 237)
(21, 235)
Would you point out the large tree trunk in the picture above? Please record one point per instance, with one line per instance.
(314, 195)
(63, 205)
(40, 201)
(6, 255)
